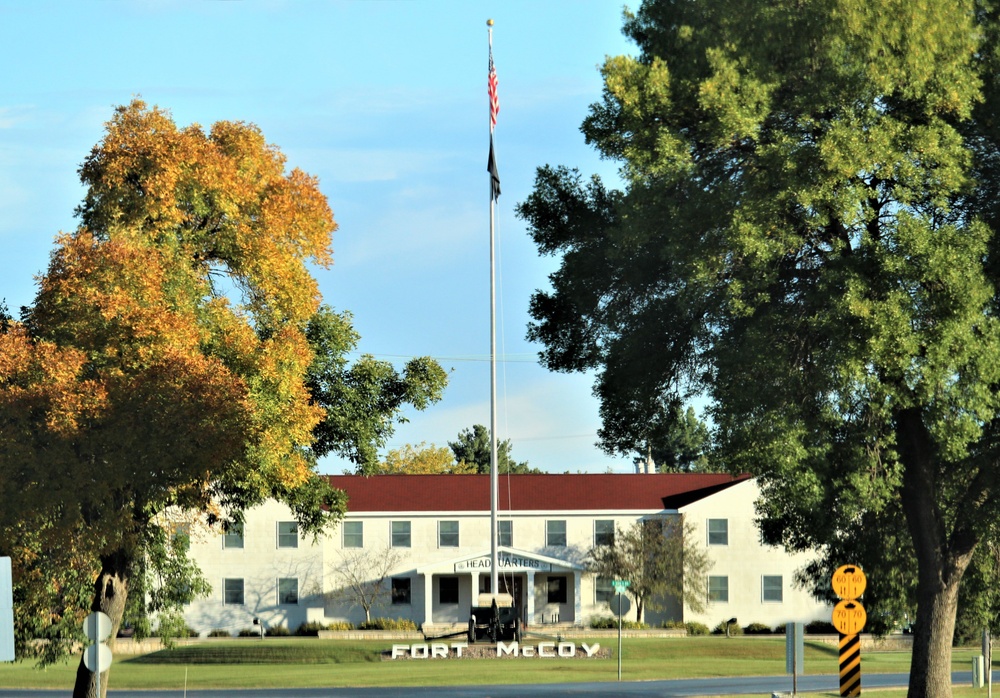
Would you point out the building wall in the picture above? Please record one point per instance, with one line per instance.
(261, 563)
(744, 562)
(528, 531)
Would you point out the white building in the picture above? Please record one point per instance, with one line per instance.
(436, 527)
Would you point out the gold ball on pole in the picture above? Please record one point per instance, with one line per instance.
(489, 23)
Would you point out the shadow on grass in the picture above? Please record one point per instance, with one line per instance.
(274, 653)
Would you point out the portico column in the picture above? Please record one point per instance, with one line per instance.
(475, 588)
(577, 598)
(428, 598)
(530, 593)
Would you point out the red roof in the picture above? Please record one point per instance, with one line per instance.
(568, 492)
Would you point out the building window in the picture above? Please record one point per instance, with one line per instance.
(400, 591)
(354, 534)
(603, 592)
(288, 591)
(557, 589)
(232, 539)
(555, 533)
(604, 532)
(232, 592)
(718, 531)
(401, 534)
(288, 534)
(718, 589)
(771, 588)
(448, 590)
(447, 534)
(505, 533)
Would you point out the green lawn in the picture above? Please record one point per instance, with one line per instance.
(308, 662)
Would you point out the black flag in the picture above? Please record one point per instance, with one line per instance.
(491, 167)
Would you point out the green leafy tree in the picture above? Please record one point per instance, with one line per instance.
(164, 581)
(675, 440)
(472, 448)
(806, 235)
(660, 559)
(364, 399)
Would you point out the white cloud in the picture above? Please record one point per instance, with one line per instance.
(13, 116)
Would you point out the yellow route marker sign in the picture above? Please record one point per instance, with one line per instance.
(849, 582)
(849, 617)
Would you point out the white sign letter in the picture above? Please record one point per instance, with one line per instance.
(503, 648)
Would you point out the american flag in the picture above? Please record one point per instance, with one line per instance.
(494, 100)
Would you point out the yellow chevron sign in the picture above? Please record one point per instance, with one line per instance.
(850, 666)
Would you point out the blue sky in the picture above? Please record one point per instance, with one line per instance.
(383, 100)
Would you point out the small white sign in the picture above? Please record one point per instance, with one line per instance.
(97, 658)
(97, 626)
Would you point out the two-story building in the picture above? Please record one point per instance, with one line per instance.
(431, 533)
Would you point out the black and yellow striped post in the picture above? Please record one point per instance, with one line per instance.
(850, 665)
(849, 618)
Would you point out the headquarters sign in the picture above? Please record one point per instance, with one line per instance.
(506, 562)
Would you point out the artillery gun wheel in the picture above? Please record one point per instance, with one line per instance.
(472, 630)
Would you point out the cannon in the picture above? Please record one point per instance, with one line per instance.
(495, 618)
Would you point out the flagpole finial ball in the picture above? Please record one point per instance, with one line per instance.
(489, 23)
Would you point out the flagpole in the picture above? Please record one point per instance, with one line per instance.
(494, 478)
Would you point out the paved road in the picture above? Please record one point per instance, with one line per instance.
(630, 689)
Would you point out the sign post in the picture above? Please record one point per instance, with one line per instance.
(6, 611)
(620, 585)
(849, 618)
(794, 653)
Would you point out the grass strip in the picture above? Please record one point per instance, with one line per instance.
(308, 662)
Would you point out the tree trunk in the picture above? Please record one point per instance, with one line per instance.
(942, 558)
(930, 663)
(110, 593)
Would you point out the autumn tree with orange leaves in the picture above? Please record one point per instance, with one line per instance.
(166, 361)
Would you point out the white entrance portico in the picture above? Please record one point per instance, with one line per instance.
(540, 585)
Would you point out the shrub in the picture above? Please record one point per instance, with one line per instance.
(603, 623)
(612, 624)
(674, 625)
(757, 629)
(310, 628)
(695, 628)
(278, 631)
(219, 632)
(340, 625)
(780, 629)
(388, 624)
(734, 629)
(820, 627)
(249, 632)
